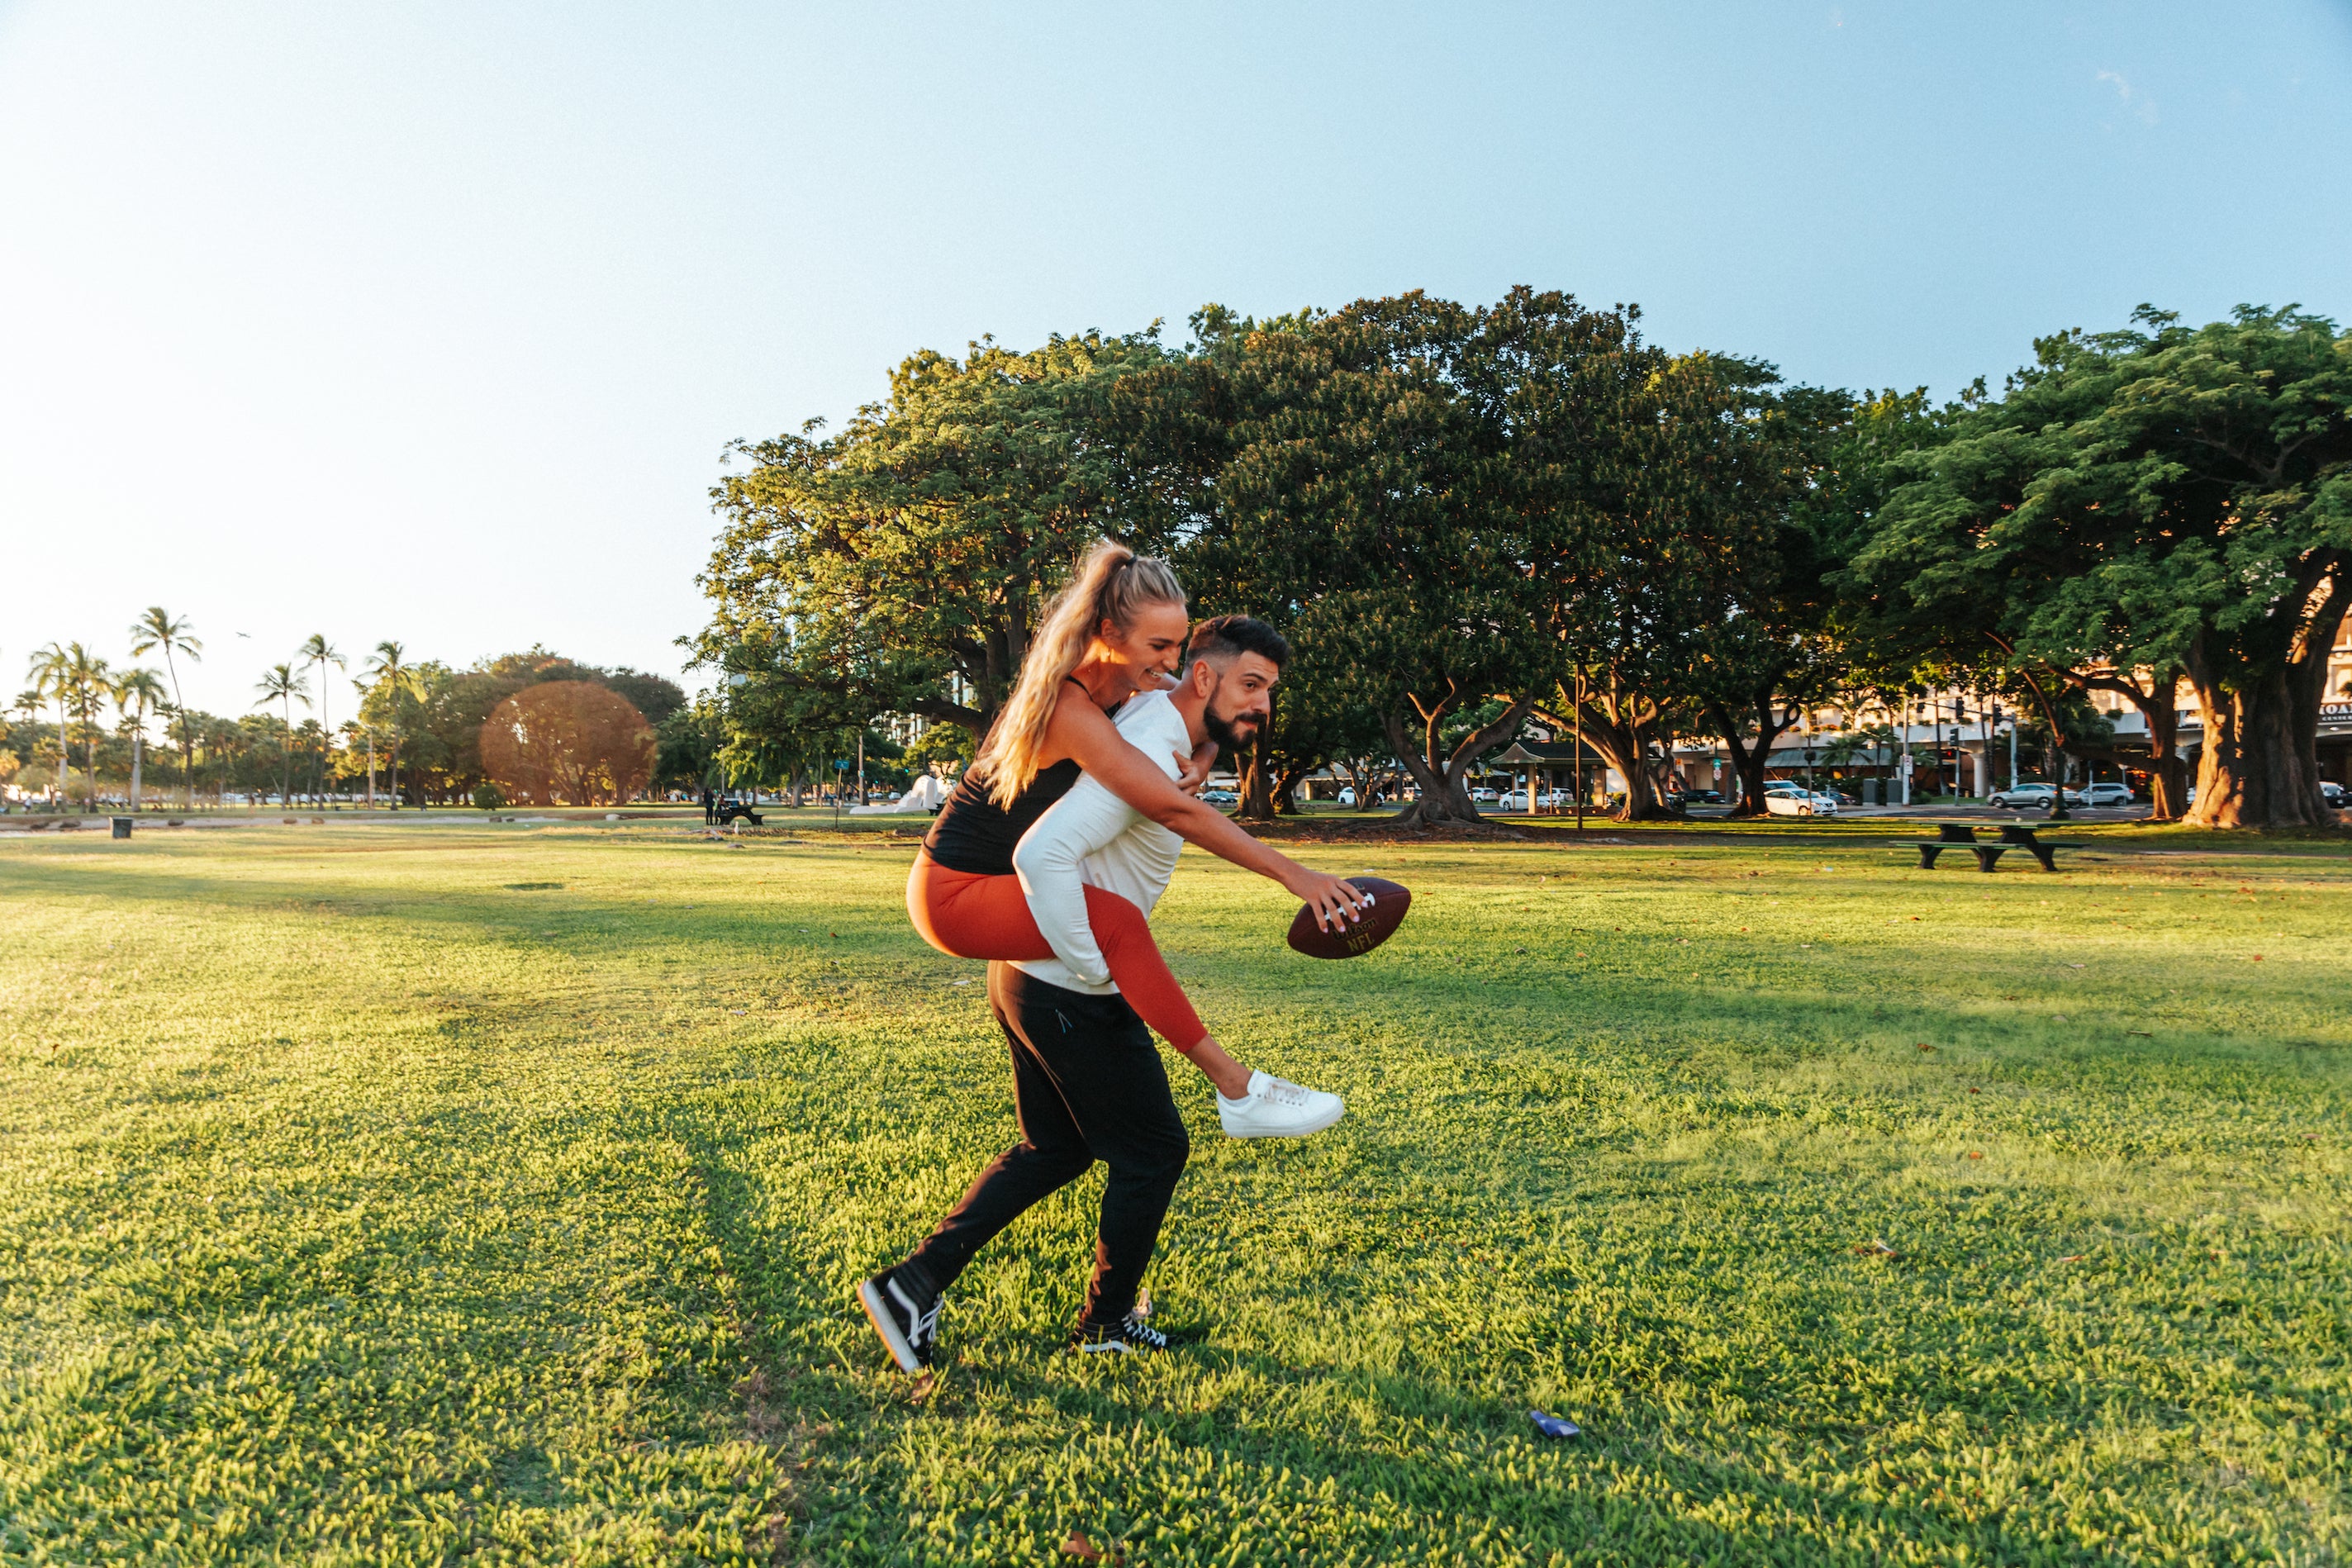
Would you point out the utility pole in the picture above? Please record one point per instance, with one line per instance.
(1578, 716)
(1906, 727)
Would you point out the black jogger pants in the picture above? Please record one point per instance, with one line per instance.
(1088, 1085)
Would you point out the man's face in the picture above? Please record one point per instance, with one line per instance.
(1241, 702)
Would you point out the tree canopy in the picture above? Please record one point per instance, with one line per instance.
(2164, 498)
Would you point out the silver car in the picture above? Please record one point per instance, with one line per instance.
(2031, 798)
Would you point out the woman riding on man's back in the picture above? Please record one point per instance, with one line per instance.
(1117, 630)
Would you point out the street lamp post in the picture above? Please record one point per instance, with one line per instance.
(1959, 712)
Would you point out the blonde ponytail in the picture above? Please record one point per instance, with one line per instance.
(1111, 585)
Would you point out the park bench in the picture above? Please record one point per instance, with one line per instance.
(729, 810)
(1961, 835)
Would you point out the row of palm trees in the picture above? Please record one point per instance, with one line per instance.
(81, 682)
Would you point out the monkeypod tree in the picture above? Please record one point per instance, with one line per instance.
(1781, 650)
(1361, 500)
(2158, 500)
(576, 742)
(1654, 490)
(902, 563)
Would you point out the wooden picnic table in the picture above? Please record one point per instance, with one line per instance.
(2013, 835)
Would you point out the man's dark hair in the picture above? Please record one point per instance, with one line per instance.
(1225, 638)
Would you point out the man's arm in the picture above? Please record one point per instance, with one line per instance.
(1089, 818)
(1047, 861)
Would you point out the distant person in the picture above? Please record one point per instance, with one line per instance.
(710, 805)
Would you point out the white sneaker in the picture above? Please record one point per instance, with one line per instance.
(1278, 1107)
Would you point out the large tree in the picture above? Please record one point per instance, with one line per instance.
(1364, 501)
(901, 564)
(2158, 500)
(1661, 489)
(1780, 651)
(574, 740)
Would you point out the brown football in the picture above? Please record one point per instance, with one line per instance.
(1354, 937)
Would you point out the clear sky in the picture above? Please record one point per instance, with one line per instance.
(429, 321)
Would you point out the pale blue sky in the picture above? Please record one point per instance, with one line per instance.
(429, 321)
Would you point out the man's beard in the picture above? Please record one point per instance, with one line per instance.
(1232, 735)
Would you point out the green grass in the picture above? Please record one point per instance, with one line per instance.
(364, 1199)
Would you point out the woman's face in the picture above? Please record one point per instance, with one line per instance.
(1141, 654)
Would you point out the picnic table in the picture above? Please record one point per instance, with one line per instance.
(2013, 835)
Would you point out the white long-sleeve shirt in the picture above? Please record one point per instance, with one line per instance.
(1090, 836)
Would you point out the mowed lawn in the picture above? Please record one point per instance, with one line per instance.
(468, 1193)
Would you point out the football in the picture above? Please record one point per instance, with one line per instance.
(1351, 938)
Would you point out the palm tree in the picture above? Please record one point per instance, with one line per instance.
(282, 685)
(393, 677)
(224, 739)
(90, 680)
(134, 693)
(159, 629)
(317, 651)
(47, 674)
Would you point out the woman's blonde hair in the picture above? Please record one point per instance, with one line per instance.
(1111, 585)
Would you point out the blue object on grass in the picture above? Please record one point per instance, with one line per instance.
(1552, 1425)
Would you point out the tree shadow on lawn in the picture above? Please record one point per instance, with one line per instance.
(1859, 1444)
(1655, 1478)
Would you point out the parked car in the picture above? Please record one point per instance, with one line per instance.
(2031, 798)
(2334, 793)
(1794, 800)
(1485, 797)
(1348, 795)
(1549, 799)
(1220, 797)
(2106, 794)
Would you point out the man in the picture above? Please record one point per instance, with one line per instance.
(1090, 836)
(1088, 1081)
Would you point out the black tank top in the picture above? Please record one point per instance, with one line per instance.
(974, 835)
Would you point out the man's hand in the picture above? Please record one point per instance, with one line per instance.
(1335, 900)
(1192, 771)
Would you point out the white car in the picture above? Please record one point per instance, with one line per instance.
(2106, 794)
(1483, 797)
(1790, 800)
(1348, 795)
(1517, 800)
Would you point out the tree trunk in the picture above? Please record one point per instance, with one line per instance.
(1445, 795)
(2258, 766)
(1257, 784)
(2168, 774)
(136, 737)
(1750, 763)
(1284, 804)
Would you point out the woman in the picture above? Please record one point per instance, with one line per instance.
(1118, 629)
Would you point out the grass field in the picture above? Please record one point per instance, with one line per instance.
(440, 1193)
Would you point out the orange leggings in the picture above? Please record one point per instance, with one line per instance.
(965, 914)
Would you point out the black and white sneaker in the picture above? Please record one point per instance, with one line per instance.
(906, 1317)
(1128, 1336)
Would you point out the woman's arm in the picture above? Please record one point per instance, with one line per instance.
(1080, 730)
